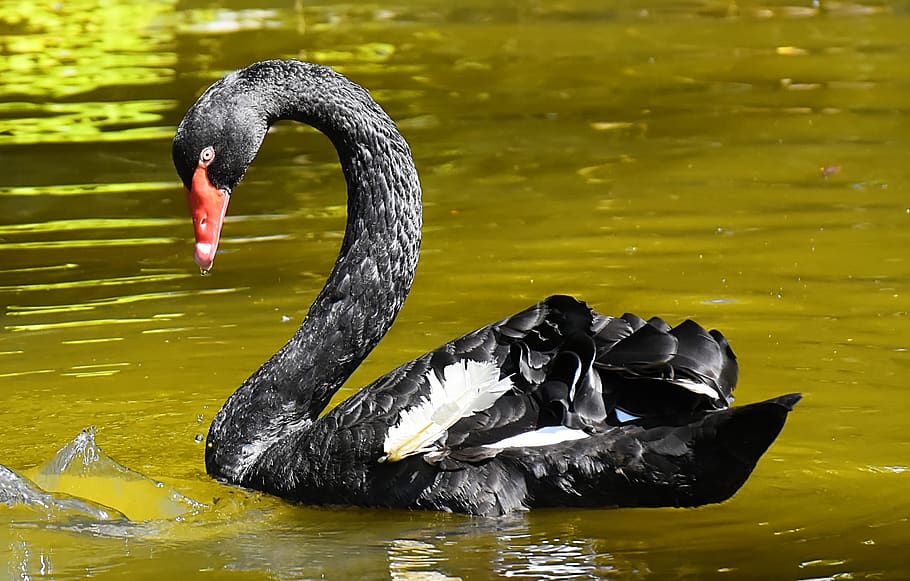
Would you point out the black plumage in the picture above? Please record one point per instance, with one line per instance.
(607, 411)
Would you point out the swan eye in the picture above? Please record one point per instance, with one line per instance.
(207, 155)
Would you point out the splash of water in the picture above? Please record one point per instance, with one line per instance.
(82, 481)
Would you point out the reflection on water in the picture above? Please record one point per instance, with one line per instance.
(413, 559)
(549, 558)
(738, 163)
(59, 58)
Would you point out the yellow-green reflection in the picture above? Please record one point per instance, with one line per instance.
(81, 189)
(87, 341)
(92, 323)
(92, 283)
(87, 122)
(37, 310)
(74, 243)
(56, 56)
(87, 224)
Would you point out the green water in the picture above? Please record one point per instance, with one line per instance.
(743, 164)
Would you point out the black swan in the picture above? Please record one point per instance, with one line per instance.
(557, 405)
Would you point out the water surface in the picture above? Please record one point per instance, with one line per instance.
(742, 164)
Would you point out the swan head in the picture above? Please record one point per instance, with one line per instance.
(214, 145)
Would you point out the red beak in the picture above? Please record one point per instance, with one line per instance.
(208, 205)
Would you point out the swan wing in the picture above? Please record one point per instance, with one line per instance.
(554, 372)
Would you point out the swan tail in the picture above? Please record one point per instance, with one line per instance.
(702, 462)
(727, 446)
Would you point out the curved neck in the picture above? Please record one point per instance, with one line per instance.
(378, 256)
(375, 266)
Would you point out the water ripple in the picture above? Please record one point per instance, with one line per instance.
(30, 310)
(89, 243)
(82, 189)
(92, 322)
(96, 282)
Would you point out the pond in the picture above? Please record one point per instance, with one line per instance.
(743, 164)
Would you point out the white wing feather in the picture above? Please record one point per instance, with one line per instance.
(467, 388)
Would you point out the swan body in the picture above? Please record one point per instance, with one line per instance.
(557, 405)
